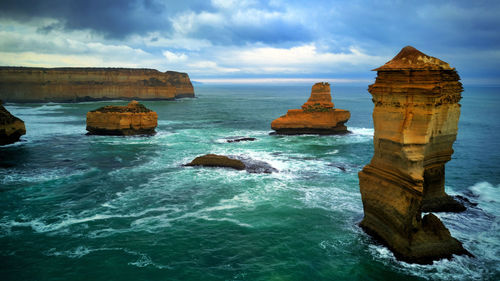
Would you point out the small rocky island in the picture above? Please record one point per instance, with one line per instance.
(133, 119)
(11, 127)
(416, 122)
(233, 162)
(76, 84)
(317, 116)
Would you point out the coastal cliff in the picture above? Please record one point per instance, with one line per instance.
(132, 119)
(416, 122)
(11, 127)
(317, 116)
(27, 84)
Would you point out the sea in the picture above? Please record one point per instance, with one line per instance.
(78, 207)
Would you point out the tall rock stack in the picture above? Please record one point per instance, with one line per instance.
(317, 116)
(416, 122)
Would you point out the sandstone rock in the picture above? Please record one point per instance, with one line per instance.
(11, 127)
(133, 119)
(317, 116)
(214, 160)
(416, 121)
(28, 84)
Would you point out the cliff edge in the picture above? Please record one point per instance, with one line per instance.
(73, 84)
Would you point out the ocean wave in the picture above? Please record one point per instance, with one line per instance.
(39, 175)
(65, 221)
(143, 260)
(362, 131)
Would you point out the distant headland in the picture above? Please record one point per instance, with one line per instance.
(76, 84)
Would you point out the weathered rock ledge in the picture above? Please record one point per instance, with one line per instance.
(133, 119)
(11, 127)
(317, 116)
(416, 122)
(74, 84)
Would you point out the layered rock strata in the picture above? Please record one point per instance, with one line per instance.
(11, 127)
(133, 119)
(28, 84)
(317, 116)
(416, 122)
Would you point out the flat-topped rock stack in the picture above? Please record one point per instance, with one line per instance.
(317, 116)
(11, 127)
(416, 122)
(75, 84)
(133, 119)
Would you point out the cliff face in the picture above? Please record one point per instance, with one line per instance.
(317, 116)
(416, 122)
(26, 84)
(11, 127)
(133, 119)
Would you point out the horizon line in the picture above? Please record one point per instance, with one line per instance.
(276, 80)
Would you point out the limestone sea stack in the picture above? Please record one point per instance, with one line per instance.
(133, 119)
(11, 127)
(317, 116)
(74, 84)
(416, 121)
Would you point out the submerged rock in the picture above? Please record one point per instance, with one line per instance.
(317, 116)
(416, 121)
(240, 139)
(11, 127)
(234, 162)
(133, 119)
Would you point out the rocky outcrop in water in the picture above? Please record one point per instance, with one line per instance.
(28, 84)
(317, 116)
(416, 121)
(233, 162)
(133, 119)
(11, 127)
(214, 160)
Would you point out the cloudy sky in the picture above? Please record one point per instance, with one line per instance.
(223, 40)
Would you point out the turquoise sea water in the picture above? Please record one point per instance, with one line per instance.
(77, 207)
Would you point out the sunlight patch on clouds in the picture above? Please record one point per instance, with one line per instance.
(205, 67)
(174, 57)
(304, 54)
(299, 59)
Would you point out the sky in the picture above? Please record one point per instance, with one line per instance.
(230, 41)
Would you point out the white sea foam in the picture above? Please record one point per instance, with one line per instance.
(483, 221)
(143, 260)
(362, 131)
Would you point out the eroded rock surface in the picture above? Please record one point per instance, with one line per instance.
(11, 127)
(133, 119)
(416, 121)
(317, 116)
(74, 84)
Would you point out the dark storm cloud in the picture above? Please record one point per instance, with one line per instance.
(114, 19)
(117, 19)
